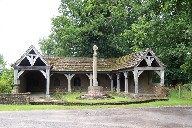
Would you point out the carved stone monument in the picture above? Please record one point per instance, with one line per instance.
(95, 82)
(95, 91)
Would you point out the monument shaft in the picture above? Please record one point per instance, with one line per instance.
(95, 83)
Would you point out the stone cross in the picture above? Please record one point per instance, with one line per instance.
(95, 83)
(95, 48)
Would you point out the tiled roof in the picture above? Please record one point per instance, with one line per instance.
(85, 64)
(130, 60)
(79, 63)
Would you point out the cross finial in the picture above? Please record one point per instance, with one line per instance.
(95, 48)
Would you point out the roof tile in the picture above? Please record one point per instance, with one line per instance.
(104, 64)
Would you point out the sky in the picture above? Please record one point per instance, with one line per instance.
(22, 24)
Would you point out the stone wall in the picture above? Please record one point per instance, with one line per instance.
(104, 81)
(15, 98)
(161, 91)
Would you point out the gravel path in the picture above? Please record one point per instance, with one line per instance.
(157, 117)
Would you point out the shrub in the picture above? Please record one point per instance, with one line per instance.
(6, 81)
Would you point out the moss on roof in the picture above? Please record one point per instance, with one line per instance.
(79, 63)
(104, 64)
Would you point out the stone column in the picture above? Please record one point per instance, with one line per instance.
(135, 72)
(48, 82)
(90, 76)
(118, 82)
(111, 78)
(69, 77)
(95, 82)
(95, 90)
(126, 81)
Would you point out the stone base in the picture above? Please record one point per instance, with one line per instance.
(95, 92)
(15, 89)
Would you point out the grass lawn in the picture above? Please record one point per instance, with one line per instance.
(171, 102)
(72, 97)
(174, 100)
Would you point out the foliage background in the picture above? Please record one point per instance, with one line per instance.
(6, 77)
(119, 27)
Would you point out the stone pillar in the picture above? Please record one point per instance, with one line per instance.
(118, 82)
(69, 77)
(126, 81)
(95, 91)
(162, 77)
(95, 82)
(135, 72)
(48, 82)
(111, 78)
(90, 76)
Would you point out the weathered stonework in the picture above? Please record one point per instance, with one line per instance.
(95, 90)
(15, 89)
(161, 91)
(15, 98)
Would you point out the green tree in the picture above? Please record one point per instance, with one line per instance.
(6, 77)
(85, 23)
(123, 26)
(166, 29)
(2, 64)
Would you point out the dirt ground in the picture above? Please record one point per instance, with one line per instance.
(154, 117)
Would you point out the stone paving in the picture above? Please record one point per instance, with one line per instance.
(155, 117)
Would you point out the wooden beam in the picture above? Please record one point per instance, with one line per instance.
(139, 72)
(148, 68)
(149, 60)
(158, 73)
(32, 58)
(31, 67)
(19, 74)
(44, 73)
(90, 76)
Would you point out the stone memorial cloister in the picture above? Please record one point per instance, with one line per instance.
(132, 73)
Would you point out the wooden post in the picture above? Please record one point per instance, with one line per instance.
(179, 91)
(126, 81)
(15, 77)
(111, 78)
(48, 82)
(69, 77)
(118, 82)
(191, 91)
(135, 72)
(162, 77)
